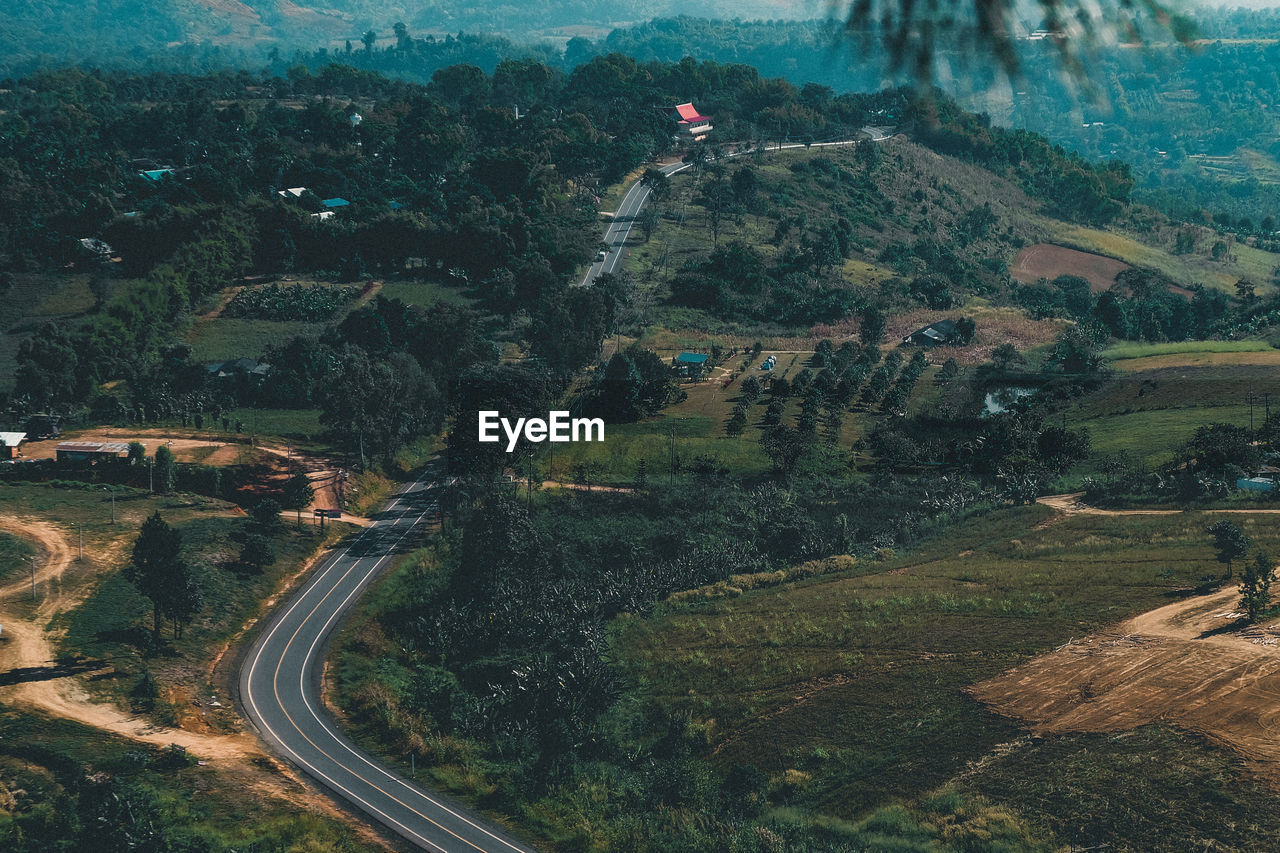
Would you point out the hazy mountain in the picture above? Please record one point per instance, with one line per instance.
(49, 32)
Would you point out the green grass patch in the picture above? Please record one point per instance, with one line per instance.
(859, 681)
(299, 424)
(654, 441)
(226, 338)
(1250, 263)
(15, 554)
(1150, 437)
(1151, 789)
(113, 622)
(1134, 349)
(424, 293)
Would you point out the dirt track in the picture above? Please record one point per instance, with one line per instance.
(1073, 505)
(26, 645)
(1191, 664)
(324, 475)
(54, 688)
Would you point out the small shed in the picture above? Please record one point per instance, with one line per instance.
(333, 203)
(9, 442)
(91, 451)
(250, 367)
(941, 332)
(95, 249)
(43, 426)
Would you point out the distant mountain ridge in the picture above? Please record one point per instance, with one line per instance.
(50, 32)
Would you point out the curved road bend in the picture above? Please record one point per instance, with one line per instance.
(619, 228)
(280, 683)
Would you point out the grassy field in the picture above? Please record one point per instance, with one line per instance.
(217, 338)
(1137, 349)
(652, 440)
(1160, 393)
(36, 299)
(114, 621)
(14, 554)
(854, 687)
(697, 428)
(423, 293)
(298, 424)
(1150, 437)
(1254, 264)
(1096, 789)
(234, 337)
(45, 762)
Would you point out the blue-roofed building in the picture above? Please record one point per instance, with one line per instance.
(396, 205)
(156, 174)
(690, 364)
(335, 202)
(1255, 484)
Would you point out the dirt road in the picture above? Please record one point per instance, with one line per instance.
(1072, 504)
(31, 677)
(28, 654)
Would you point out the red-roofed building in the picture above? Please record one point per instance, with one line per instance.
(689, 123)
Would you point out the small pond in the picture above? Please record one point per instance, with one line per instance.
(999, 399)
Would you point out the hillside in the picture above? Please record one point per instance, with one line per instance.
(896, 225)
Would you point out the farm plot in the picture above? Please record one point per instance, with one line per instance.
(1045, 260)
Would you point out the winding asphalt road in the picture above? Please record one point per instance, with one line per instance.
(280, 683)
(281, 677)
(619, 229)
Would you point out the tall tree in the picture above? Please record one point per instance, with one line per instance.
(157, 568)
(166, 473)
(1255, 586)
(297, 493)
(374, 407)
(1230, 542)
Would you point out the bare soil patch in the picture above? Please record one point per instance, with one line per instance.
(1193, 663)
(213, 449)
(1188, 664)
(1045, 260)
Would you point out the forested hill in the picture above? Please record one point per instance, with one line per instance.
(182, 177)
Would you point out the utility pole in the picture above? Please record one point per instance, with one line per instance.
(80, 530)
(671, 477)
(31, 561)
